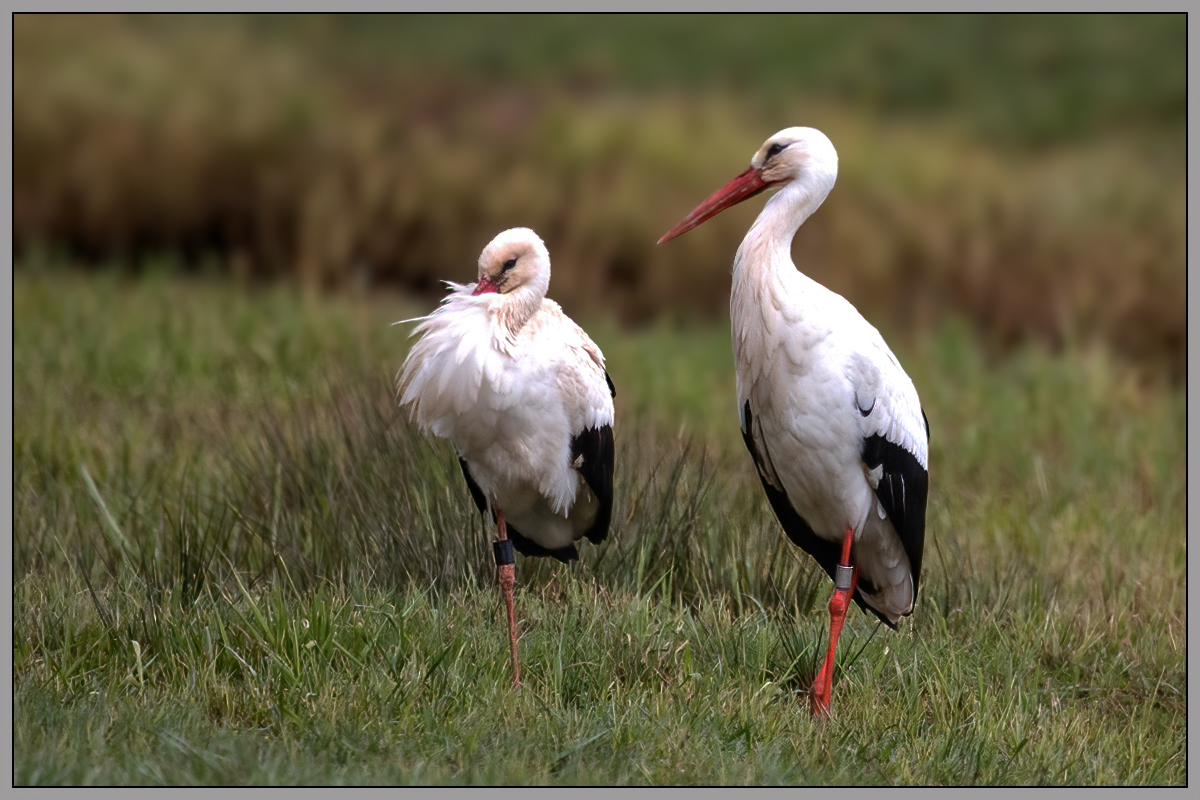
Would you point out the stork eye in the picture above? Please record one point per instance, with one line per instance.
(512, 262)
(775, 149)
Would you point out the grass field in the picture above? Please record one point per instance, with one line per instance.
(234, 562)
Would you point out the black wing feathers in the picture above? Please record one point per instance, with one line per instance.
(598, 452)
(826, 553)
(903, 491)
(528, 547)
(476, 492)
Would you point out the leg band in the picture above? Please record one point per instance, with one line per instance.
(844, 578)
(502, 549)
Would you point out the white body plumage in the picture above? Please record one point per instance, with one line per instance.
(512, 383)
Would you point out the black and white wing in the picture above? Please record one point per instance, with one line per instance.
(594, 453)
(895, 452)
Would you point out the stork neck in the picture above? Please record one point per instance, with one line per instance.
(516, 308)
(766, 250)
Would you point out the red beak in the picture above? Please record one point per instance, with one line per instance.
(743, 187)
(483, 287)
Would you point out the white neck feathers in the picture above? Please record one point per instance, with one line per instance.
(513, 310)
(768, 243)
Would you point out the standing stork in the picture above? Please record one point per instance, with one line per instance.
(521, 392)
(832, 421)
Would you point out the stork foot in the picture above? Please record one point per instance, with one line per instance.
(818, 699)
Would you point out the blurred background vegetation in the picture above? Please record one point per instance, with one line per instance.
(1022, 173)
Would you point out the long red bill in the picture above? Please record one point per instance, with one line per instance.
(743, 187)
(484, 286)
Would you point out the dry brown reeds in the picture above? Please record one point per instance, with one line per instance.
(217, 146)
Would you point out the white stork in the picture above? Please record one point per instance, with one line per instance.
(832, 421)
(521, 392)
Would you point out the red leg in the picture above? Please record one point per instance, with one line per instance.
(844, 585)
(508, 577)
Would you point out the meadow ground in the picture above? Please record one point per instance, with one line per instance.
(234, 562)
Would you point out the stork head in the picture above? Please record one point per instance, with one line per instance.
(515, 260)
(800, 159)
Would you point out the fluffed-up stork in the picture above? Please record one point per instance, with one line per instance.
(832, 421)
(521, 392)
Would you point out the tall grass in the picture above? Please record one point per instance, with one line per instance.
(234, 561)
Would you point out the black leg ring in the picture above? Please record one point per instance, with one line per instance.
(503, 551)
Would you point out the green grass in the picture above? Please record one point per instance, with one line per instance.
(272, 578)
